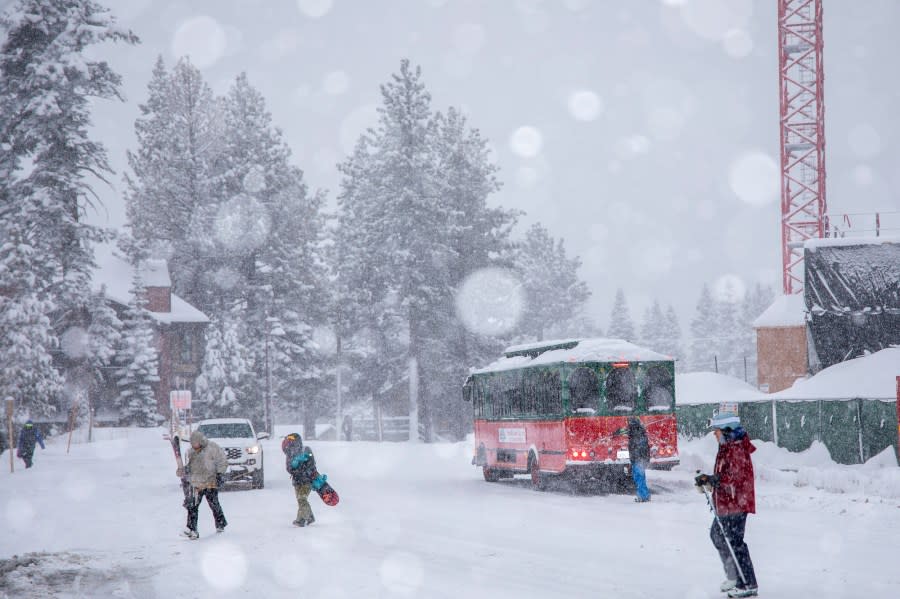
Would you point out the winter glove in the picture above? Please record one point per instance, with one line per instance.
(179, 472)
(705, 480)
(220, 480)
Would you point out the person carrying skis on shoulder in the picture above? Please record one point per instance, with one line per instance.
(29, 436)
(300, 463)
(205, 468)
(733, 497)
(639, 454)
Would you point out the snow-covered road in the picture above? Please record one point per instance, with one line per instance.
(417, 520)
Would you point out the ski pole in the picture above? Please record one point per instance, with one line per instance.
(712, 508)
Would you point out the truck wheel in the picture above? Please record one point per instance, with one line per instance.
(259, 479)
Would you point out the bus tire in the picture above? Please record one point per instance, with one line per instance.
(491, 475)
(538, 480)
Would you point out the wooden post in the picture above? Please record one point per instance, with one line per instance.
(12, 442)
(72, 421)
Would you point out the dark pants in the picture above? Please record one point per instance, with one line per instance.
(212, 498)
(26, 457)
(734, 529)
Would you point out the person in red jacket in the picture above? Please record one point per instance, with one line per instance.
(733, 498)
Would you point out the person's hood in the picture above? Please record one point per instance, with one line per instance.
(198, 438)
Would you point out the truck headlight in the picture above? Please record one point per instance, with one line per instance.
(254, 449)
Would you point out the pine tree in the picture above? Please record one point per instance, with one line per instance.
(47, 84)
(704, 333)
(727, 339)
(550, 279)
(170, 191)
(653, 328)
(670, 343)
(27, 374)
(223, 371)
(137, 358)
(755, 302)
(104, 339)
(620, 323)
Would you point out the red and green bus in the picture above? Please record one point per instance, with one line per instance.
(561, 407)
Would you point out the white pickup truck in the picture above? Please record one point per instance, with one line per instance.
(240, 442)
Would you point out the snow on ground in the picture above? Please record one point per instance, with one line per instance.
(417, 520)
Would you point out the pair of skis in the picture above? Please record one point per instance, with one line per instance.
(186, 486)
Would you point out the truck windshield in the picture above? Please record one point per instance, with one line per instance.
(228, 430)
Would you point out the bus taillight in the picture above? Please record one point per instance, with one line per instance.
(579, 454)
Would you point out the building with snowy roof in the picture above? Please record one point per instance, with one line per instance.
(179, 328)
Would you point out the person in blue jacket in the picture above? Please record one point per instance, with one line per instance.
(29, 436)
(301, 465)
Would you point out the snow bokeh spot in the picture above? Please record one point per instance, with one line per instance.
(526, 141)
(325, 340)
(225, 278)
(712, 19)
(402, 573)
(729, 288)
(490, 301)
(632, 146)
(74, 342)
(314, 9)
(291, 570)
(585, 105)
(202, 38)
(224, 566)
(255, 180)
(864, 141)
(336, 83)
(242, 223)
(754, 178)
(737, 43)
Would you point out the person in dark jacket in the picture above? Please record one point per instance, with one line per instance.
(733, 497)
(300, 463)
(639, 454)
(29, 436)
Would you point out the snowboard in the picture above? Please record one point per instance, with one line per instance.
(186, 487)
(326, 492)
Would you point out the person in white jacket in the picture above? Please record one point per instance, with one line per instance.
(205, 468)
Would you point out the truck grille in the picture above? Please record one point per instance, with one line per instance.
(233, 453)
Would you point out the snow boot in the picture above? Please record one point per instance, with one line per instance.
(727, 585)
(220, 529)
(641, 500)
(191, 534)
(742, 591)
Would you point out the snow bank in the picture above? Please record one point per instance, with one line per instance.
(711, 387)
(871, 377)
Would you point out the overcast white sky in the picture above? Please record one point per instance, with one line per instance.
(645, 133)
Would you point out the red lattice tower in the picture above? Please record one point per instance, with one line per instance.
(801, 82)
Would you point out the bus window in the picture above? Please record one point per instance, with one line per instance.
(657, 385)
(621, 390)
(549, 393)
(584, 391)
